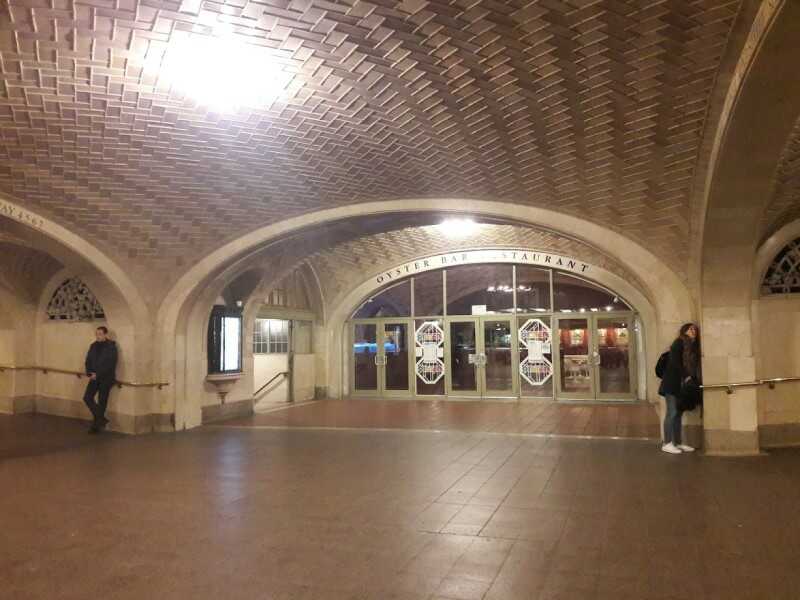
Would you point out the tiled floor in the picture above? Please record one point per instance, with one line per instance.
(224, 513)
(623, 420)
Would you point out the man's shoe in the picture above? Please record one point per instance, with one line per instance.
(103, 423)
(93, 430)
(685, 448)
(671, 449)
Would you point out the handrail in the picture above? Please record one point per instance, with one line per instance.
(729, 387)
(81, 374)
(263, 387)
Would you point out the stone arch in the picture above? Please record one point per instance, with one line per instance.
(80, 247)
(191, 327)
(764, 91)
(126, 312)
(201, 284)
(638, 299)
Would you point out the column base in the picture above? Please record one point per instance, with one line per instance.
(727, 442)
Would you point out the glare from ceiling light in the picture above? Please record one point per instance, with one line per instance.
(220, 71)
(455, 228)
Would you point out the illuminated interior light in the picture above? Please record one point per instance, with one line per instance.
(458, 227)
(220, 71)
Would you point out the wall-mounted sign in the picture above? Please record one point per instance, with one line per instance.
(525, 257)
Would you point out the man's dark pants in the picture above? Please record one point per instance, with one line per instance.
(102, 388)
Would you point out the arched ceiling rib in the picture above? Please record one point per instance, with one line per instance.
(596, 109)
(784, 206)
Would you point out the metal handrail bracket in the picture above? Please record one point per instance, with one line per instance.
(80, 374)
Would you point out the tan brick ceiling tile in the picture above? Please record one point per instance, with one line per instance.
(593, 108)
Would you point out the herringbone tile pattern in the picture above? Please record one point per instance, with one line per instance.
(784, 206)
(349, 263)
(594, 108)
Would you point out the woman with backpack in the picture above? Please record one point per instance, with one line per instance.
(680, 385)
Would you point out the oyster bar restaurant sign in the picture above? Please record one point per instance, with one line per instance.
(526, 257)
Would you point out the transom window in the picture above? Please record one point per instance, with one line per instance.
(271, 336)
(489, 288)
(783, 275)
(74, 301)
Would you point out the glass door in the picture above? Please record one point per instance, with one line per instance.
(393, 360)
(614, 357)
(497, 358)
(575, 360)
(595, 357)
(463, 357)
(365, 359)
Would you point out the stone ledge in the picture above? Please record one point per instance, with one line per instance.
(779, 435)
(727, 442)
(229, 410)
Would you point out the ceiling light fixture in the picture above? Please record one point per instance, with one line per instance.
(220, 71)
(456, 228)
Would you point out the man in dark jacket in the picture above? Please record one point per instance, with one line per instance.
(101, 367)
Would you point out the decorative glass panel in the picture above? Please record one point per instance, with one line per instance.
(783, 275)
(74, 301)
(535, 356)
(429, 352)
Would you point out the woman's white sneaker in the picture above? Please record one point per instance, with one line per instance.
(671, 448)
(685, 448)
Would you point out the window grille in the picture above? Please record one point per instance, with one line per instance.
(271, 336)
(783, 275)
(74, 301)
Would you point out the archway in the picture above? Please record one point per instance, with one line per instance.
(765, 92)
(44, 256)
(339, 325)
(203, 283)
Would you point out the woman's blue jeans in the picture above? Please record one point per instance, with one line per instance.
(672, 421)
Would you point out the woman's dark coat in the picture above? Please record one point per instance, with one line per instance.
(675, 372)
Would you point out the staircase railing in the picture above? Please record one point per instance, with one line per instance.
(266, 385)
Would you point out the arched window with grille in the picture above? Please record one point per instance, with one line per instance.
(74, 301)
(783, 274)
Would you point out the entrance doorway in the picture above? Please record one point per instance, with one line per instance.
(494, 331)
(594, 357)
(381, 361)
(481, 357)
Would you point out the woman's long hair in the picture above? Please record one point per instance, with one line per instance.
(691, 350)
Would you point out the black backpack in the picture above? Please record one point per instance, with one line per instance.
(661, 364)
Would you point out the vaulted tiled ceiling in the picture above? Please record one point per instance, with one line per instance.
(784, 206)
(594, 108)
(342, 267)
